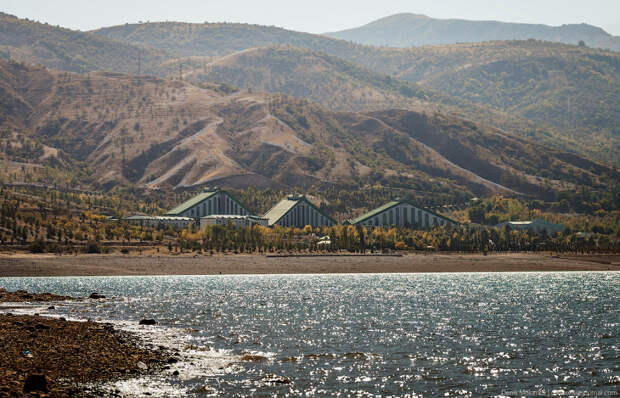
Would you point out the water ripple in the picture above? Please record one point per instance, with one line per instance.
(368, 335)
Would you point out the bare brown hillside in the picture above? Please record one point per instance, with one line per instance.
(153, 132)
(565, 96)
(570, 92)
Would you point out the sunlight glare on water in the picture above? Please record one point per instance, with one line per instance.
(368, 335)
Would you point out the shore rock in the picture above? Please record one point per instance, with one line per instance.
(271, 378)
(35, 382)
(147, 322)
(96, 296)
(253, 358)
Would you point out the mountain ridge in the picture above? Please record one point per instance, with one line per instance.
(568, 93)
(158, 133)
(532, 95)
(71, 50)
(407, 30)
(561, 75)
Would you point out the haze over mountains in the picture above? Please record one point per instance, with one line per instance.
(406, 30)
(426, 118)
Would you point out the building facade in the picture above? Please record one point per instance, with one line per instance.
(538, 226)
(402, 213)
(159, 221)
(297, 211)
(238, 221)
(212, 201)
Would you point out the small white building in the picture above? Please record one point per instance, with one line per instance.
(238, 221)
(324, 241)
(159, 221)
(538, 226)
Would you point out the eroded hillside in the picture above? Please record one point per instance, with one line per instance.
(570, 92)
(168, 133)
(563, 95)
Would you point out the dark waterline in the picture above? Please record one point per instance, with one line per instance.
(514, 334)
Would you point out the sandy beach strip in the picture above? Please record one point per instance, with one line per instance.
(13, 265)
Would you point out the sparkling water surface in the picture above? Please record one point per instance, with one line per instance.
(483, 334)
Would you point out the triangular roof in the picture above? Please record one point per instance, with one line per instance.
(206, 194)
(285, 205)
(394, 203)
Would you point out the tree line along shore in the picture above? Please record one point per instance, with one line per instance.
(41, 221)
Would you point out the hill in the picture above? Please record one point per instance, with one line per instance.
(567, 98)
(571, 92)
(562, 95)
(149, 132)
(408, 30)
(343, 86)
(71, 50)
(217, 39)
(331, 81)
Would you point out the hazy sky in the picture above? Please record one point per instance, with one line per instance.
(315, 16)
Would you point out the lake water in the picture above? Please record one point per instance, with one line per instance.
(405, 335)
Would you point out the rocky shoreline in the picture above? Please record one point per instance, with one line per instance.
(49, 357)
(22, 296)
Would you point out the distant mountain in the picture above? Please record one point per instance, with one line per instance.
(407, 30)
(147, 131)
